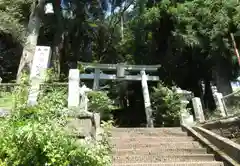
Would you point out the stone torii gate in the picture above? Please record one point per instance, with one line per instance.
(75, 76)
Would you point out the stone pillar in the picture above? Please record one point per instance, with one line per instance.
(198, 110)
(146, 97)
(38, 73)
(185, 117)
(219, 103)
(218, 100)
(213, 88)
(73, 88)
(97, 121)
(96, 79)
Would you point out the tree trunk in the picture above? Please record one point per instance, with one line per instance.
(57, 43)
(209, 103)
(31, 38)
(222, 74)
(56, 56)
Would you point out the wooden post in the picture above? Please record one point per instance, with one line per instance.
(146, 97)
(96, 79)
(38, 73)
(73, 88)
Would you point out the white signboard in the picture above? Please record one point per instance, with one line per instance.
(38, 73)
(41, 62)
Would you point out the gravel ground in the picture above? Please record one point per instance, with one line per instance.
(232, 133)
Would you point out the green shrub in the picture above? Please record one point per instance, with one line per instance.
(31, 142)
(100, 102)
(35, 136)
(166, 106)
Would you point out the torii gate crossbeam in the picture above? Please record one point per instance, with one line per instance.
(120, 75)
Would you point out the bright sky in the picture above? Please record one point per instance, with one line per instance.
(118, 8)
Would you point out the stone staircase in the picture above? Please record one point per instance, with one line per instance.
(158, 147)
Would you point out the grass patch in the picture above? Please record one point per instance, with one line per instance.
(6, 100)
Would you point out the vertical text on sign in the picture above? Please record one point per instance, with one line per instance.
(38, 73)
(40, 62)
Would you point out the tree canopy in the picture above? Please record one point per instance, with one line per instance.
(189, 38)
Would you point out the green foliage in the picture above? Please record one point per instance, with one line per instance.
(107, 134)
(100, 102)
(151, 15)
(166, 106)
(20, 92)
(183, 36)
(2, 163)
(6, 99)
(198, 22)
(14, 15)
(12, 96)
(36, 136)
(204, 26)
(32, 142)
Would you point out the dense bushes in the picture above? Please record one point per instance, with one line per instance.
(165, 103)
(35, 136)
(166, 106)
(31, 142)
(101, 103)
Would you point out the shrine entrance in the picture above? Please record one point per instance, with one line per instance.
(123, 72)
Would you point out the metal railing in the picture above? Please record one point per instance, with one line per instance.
(231, 103)
(228, 126)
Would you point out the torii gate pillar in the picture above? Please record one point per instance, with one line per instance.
(146, 97)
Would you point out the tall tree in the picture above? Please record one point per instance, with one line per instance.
(33, 28)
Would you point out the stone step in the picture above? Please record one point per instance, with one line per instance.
(158, 147)
(162, 145)
(172, 164)
(163, 132)
(156, 150)
(173, 129)
(154, 134)
(150, 139)
(160, 158)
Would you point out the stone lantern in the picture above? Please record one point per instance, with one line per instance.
(185, 117)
